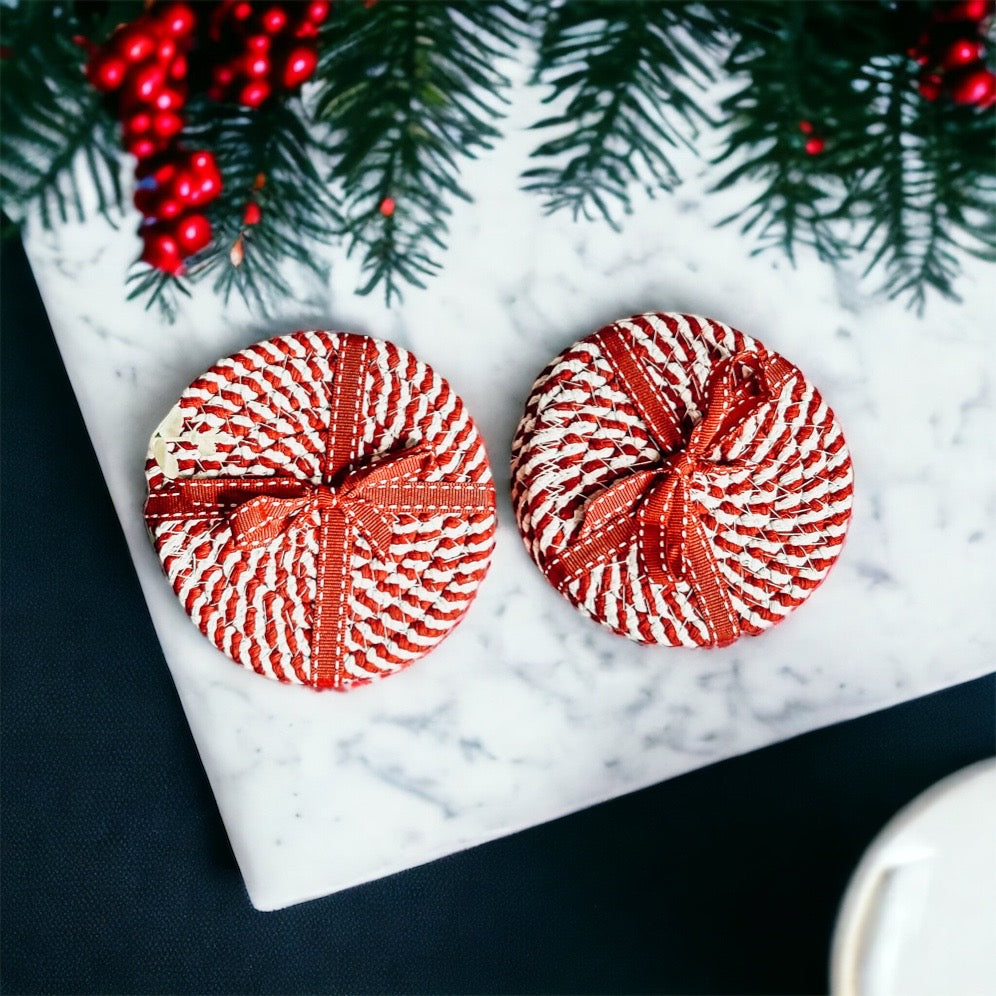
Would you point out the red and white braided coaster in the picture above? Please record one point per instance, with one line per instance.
(678, 482)
(323, 506)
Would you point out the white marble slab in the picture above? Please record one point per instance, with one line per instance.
(530, 711)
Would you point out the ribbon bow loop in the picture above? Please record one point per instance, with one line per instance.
(262, 519)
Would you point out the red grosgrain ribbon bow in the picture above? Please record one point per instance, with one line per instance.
(672, 541)
(365, 499)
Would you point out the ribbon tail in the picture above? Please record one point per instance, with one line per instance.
(711, 591)
(333, 592)
(659, 542)
(674, 545)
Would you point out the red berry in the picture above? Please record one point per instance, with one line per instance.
(161, 172)
(162, 251)
(165, 173)
(153, 204)
(806, 127)
(977, 87)
(156, 206)
(815, 146)
(930, 87)
(258, 65)
(142, 148)
(307, 30)
(166, 50)
(223, 75)
(255, 93)
(300, 65)
(177, 18)
(210, 187)
(168, 100)
(185, 187)
(258, 43)
(274, 20)
(204, 162)
(962, 53)
(166, 124)
(317, 11)
(106, 72)
(178, 69)
(252, 214)
(242, 11)
(149, 80)
(169, 208)
(135, 43)
(193, 233)
(387, 206)
(138, 124)
(966, 10)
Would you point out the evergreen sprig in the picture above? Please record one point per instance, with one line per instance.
(269, 157)
(927, 194)
(407, 89)
(50, 116)
(905, 178)
(628, 78)
(774, 53)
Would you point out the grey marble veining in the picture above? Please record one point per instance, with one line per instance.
(529, 710)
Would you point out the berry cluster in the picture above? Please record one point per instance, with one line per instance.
(145, 64)
(814, 145)
(950, 51)
(269, 48)
(171, 192)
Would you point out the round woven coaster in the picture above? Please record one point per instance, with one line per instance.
(323, 506)
(678, 482)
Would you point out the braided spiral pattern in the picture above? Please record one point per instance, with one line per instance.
(265, 412)
(776, 528)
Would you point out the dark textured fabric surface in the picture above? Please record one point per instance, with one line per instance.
(117, 876)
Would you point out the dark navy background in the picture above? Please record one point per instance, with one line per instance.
(117, 876)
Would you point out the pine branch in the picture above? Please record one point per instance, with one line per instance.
(930, 195)
(927, 191)
(776, 52)
(623, 73)
(158, 289)
(51, 116)
(910, 180)
(408, 89)
(267, 156)
(405, 90)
